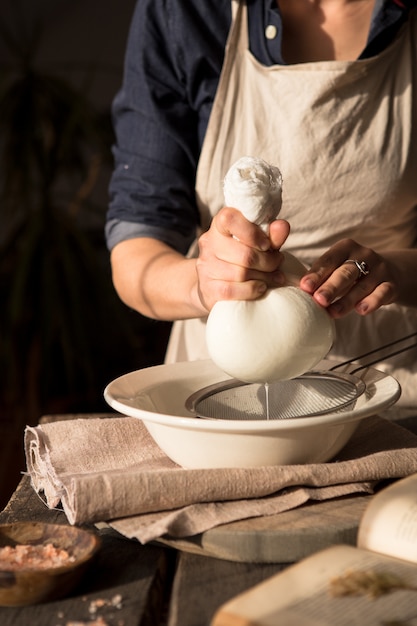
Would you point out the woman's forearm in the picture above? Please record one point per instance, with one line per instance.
(155, 280)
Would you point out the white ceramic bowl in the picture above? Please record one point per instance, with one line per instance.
(158, 396)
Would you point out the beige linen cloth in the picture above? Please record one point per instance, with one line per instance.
(110, 469)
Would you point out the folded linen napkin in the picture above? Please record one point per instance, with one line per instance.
(110, 469)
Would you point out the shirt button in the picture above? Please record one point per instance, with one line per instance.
(270, 31)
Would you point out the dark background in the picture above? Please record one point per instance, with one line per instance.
(64, 334)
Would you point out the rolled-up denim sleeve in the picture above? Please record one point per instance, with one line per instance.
(160, 116)
(117, 231)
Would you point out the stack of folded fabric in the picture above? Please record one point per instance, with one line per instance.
(110, 470)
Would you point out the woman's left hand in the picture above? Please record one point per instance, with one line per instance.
(351, 277)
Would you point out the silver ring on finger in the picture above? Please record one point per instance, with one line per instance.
(362, 267)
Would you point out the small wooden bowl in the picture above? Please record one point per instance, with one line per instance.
(33, 585)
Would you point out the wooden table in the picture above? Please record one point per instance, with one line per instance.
(157, 584)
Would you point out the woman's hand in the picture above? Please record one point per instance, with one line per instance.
(341, 285)
(237, 260)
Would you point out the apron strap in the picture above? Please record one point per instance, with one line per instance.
(235, 6)
(238, 36)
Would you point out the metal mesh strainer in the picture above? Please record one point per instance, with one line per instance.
(314, 393)
(305, 396)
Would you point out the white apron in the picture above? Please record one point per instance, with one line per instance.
(331, 127)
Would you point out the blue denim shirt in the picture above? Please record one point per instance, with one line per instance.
(173, 61)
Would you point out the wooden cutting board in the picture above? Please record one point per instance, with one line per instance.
(282, 538)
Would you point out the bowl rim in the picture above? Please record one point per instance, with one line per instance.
(124, 394)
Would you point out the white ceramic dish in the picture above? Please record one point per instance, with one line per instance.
(158, 395)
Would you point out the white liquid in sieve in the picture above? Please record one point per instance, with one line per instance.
(266, 387)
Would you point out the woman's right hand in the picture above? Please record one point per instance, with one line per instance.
(237, 260)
